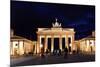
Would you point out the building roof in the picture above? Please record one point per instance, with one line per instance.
(20, 38)
(17, 37)
(88, 38)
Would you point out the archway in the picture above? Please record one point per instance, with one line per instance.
(69, 44)
(56, 43)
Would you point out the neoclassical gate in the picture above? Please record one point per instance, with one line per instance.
(55, 32)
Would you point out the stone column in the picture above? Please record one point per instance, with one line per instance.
(90, 47)
(11, 48)
(23, 46)
(38, 44)
(35, 44)
(41, 44)
(66, 41)
(60, 42)
(46, 45)
(86, 45)
(52, 43)
(18, 48)
(72, 42)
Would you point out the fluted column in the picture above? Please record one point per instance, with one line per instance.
(72, 42)
(18, 49)
(11, 48)
(66, 41)
(46, 45)
(52, 43)
(38, 44)
(60, 42)
(35, 45)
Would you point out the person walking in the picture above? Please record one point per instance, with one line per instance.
(65, 52)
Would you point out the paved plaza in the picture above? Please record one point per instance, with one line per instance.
(50, 59)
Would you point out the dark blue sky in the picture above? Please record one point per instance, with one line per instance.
(26, 17)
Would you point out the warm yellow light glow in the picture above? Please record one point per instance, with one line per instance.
(11, 48)
(88, 43)
(15, 47)
(41, 45)
(15, 44)
(21, 48)
(92, 43)
(51, 49)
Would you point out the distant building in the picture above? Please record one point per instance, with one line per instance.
(87, 45)
(20, 45)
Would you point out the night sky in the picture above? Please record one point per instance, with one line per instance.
(26, 17)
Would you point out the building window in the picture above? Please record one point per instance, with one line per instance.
(90, 42)
(16, 44)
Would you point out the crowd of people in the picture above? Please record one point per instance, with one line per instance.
(57, 52)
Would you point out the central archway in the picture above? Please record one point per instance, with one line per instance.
(63, 43)
(56, 43)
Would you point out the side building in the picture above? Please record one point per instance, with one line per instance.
(87, 44)
(20, 45)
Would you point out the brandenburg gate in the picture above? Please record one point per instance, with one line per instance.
(56, 31)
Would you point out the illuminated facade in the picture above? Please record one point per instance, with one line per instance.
(20, 45)
(46, 36)
(87, 45)
(56, 31)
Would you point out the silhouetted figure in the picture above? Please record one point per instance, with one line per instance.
(91, 49)
(77, 51)
(74, 52)
(54, 52)
(65, 53)
(47, 51)
(69, 49)
(42, 53)
(59, 52)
